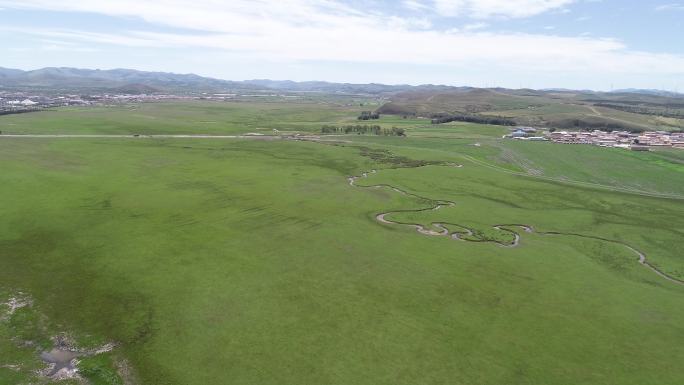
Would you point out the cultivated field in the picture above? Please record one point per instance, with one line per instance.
(251, 261)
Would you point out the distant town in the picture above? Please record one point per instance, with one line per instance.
(643, 141)
(26, 102)
(18, 102)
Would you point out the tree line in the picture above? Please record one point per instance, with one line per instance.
(369, 115)
(363, 130)
(642, 110)
(494, 120)
(24, 111)
(583, 125)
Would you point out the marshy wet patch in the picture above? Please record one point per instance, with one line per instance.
(64, 359)
(63, 363)
(40, 354)
(14, 303)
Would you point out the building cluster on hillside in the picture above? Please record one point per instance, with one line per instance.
(17, 101)
(22, 101)
(525, 133)
(623, 139)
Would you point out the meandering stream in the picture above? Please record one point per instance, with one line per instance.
(464, 232)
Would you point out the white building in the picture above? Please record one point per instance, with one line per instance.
(28, 102)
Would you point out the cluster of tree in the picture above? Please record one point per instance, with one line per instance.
(363, 130)
(494, 120)
(23, 111)
(583, 125)
(642, 110)
(369, 115)
(395, 131)
(665, 105)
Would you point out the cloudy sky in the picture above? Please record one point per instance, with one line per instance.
(596, 44)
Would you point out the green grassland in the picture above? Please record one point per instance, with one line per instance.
(256, 262)
(184, 118)
(616, 167)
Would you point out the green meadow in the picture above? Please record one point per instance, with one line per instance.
(247, 261)
(186, 118)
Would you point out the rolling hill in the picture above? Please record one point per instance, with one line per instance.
(563, 109)
(86, 79)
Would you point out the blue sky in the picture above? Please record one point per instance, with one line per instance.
(582, 44)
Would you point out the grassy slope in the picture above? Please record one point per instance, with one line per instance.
(254, 262)
(642, 171)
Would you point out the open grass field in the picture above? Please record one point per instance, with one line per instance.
(185, 118)
(237, 261)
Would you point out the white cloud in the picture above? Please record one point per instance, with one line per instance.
(670, 7)
(224, 16)
(475, 26)
(498, 8)
(66, 48)
(326, 30)
(414, 5)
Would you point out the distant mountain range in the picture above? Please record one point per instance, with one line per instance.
(133, 81)
(141, 82)
(350, 88)
(648, 92)
(123, 79)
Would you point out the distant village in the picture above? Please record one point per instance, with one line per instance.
(621, 139)
(17, 102)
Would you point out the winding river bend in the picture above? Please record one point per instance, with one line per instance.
(442, 229)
